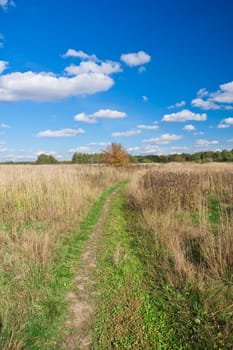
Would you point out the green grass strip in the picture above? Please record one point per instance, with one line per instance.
(125, 318)
(44, 329)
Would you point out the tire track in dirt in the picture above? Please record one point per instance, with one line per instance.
(82, 299)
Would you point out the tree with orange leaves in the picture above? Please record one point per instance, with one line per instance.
(115, 155)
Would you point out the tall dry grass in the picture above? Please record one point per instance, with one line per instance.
(39, 208)
(187, 213)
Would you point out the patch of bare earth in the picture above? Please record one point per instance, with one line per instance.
(82, 299)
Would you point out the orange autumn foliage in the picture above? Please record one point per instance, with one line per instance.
(115, 155)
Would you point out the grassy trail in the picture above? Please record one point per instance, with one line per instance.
(125, 317)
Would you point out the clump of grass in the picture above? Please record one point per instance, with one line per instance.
(182, 225)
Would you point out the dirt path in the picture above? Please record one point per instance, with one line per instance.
(81, 300)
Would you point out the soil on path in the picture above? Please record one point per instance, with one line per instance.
(82, 299)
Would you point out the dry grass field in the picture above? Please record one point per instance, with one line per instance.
(185, 215)
(40, 206)
(180, 223)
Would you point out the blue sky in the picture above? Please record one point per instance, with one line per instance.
(153, 75)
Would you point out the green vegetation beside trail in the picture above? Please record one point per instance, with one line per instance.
(125, 316)
(43, 328)
(181, 228)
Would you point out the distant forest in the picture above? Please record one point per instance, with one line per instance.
(202, 157)
(97, 158)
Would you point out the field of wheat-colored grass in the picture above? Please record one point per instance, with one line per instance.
(185, 212)
(40, 206)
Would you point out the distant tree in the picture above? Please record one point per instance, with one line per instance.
(46, 159)
(115, 154)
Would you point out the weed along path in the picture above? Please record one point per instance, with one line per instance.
(82, 296)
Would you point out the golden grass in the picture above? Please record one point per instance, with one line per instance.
(39, 207)
(189, 210)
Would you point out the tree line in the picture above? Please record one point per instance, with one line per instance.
(115, 154)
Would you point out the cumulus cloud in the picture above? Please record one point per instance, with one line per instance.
(225, 123)
(82, 117)
(3, 66)
(4, 4)
(219, 99)
(200, 103)
(164, 139)
(149, 149)
(79, 54)
(135, 59)
(206, 143)
(224, 94)
(100, 114)
(177, 105)
(126, 133)
(202, 92)
(147, 127)
(98, 144)
(107, 68)
(183, 116)
(109, 114)
(49, 87)
(60, 133)
(189, 127)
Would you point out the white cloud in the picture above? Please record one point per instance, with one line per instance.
(224, 94)
(164, 139)
(100, 114)
(177, 105)
(148, 127)
(60, 133)
(189, 127)
(109, 113)
(215, 100)
(202, 92)
(82, 117)
(149, 149)
(223, 126)
(136, 59)
(49, 87)
(206, 143)
(3, 66)
(106, 68)
(230, 140)
(3, 149)
(126, 133)
(145, 98)
(225, 123)
(81, 149)
(98, 144)
(183, 116)
(4, 4)
(200, 103)
(228, 108)
(133, 149)
(79, 54)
